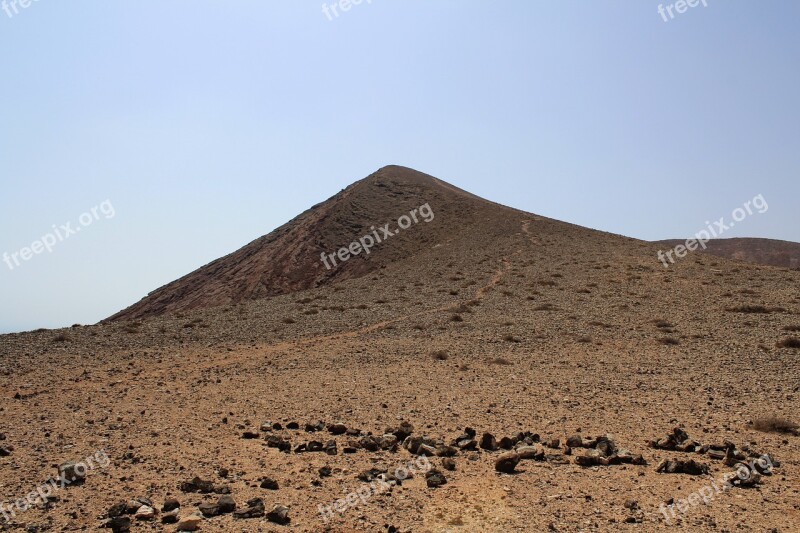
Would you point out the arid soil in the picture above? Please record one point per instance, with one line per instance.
(486, 318)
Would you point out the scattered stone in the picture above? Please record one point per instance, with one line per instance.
(250, 435)
(370, 475)
(274, 441)
(446, 451)
(678, 440)
(388, 442)
(254, 508)
(402, 432)
(507, 462)
(592, 458)
(190, 522)
(170, 517)
(434, 478)
(279, 515)
(631, 504)
(118, 524)
(324, 471)
(145, 513)
(312, 428)
(337, 429)
(226, 504)
(209, 509)
(118, 509)
(369, 443)
(293, 426)
(531, 452)
(575, 441)
(553, 444)
(203, 487)
(691, 467)
(488, 442)
(5, 451)
(330, 447)
(506, 443)
(170, 504)
(448, 464)
(72, 471)
(315, 446)
(269, 484)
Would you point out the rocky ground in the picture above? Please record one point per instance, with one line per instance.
(535, 377)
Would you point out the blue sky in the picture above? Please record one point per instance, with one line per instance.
(207, 124)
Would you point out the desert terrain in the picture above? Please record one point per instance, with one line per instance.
(265, 377)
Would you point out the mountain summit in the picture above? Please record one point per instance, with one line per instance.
(291, 257)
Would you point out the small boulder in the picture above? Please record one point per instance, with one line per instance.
(507, 462)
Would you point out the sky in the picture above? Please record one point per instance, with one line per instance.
(172, 133)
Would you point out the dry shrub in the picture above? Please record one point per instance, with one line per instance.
(789, 342)
(456, 318)
(511, 338)
(288, 320)
(545, 307)
(60, 338)
(791, 328)
(760, 309)
(440, 355)
(585, 339)
(500, 361)
(775, 424)
(669, 341)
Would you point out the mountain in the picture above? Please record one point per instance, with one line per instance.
(771, 252)
(289, 258)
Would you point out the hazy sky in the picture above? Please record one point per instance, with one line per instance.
(206, 124)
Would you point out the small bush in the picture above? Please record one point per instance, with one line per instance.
(791, 328)
(511, 338)
(585, 340)
(545, 307)
(288, 320)
(789, 342)
(440, 355)
(500, 361)
(456, 318)
(760, 309)
(60, 338)
(775, 424)
(669, 341)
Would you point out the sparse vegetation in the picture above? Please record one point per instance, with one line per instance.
(60, 338)
(789, 342)
(500, 361)
(775, 424)
(511, 338)
(440, 355)
(791, 328)
(755, 309)
(288, 320)
(669, 341)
